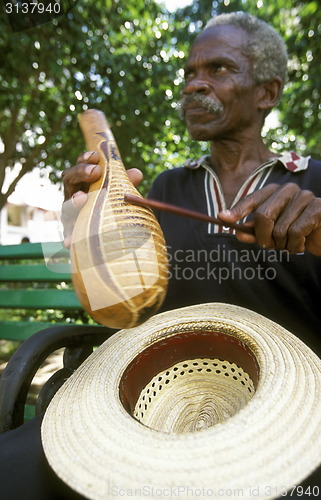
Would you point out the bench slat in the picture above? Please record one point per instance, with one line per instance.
(32, 250)
(39, 299)
(35, 272)
(21, 268)
(22, 330)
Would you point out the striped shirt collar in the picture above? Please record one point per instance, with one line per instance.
(214, 195)
(291, 161)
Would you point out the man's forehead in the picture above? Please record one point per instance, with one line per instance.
(228, 36)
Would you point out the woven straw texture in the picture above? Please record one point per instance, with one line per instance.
(270, 443)
(193, 395)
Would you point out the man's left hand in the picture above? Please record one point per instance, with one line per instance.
(285, 218)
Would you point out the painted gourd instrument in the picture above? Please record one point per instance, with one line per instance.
(118, 252)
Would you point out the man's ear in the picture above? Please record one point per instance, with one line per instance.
(269, 94)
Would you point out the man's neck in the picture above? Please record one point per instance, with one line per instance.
(238, 159)
(234, 162)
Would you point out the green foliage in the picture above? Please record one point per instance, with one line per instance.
(299, 23)
(114, 56)
(49, 315)
(301, 108)
(126, 58)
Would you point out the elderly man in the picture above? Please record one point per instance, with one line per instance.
(233, 78)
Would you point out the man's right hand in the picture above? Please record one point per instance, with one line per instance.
(76, 181)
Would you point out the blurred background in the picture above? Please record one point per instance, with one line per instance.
(126, 58)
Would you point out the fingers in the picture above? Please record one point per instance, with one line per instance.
(246, 238)
(69, 213)
(87, 171)
(307, 229)
(293, 224)
(79, 178)
(285, 218)
(90, 157)
(135, 176)
(276, 213)
(77, 181)
(248, 204)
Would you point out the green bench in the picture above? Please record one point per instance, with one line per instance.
(28, 282)
(36, 277)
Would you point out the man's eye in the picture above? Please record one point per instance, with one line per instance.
(188, 75)
(219, 68)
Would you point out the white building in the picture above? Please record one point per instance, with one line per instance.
(32, 211)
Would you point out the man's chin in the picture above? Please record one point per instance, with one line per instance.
(200, 132)
(199, 135)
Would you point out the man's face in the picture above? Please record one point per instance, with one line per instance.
(219, 69)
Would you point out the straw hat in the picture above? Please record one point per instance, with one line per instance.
(203, 401)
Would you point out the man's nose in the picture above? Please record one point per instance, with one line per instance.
(198, 85)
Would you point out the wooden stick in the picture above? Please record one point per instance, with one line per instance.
(167, 207)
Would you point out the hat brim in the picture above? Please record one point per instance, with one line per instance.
(95, 445)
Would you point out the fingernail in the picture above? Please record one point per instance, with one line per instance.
(88, 155)
(226, 212)
(78, 200)
(74, 197)
(90, 169)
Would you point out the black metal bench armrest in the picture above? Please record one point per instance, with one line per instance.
(15, 380)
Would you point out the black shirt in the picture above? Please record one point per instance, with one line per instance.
(211, 266)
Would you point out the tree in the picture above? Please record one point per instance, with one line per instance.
(105, 54)
(300, 109)
(126, 58)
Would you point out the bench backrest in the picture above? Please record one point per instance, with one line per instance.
(30, 280)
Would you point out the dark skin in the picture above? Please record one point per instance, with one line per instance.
(219, 66)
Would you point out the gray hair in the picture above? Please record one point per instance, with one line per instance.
(267, 49)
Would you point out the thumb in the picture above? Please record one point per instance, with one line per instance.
(248, 204)
(135, 176)
(230, 215)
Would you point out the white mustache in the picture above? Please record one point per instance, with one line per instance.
(208, 103)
